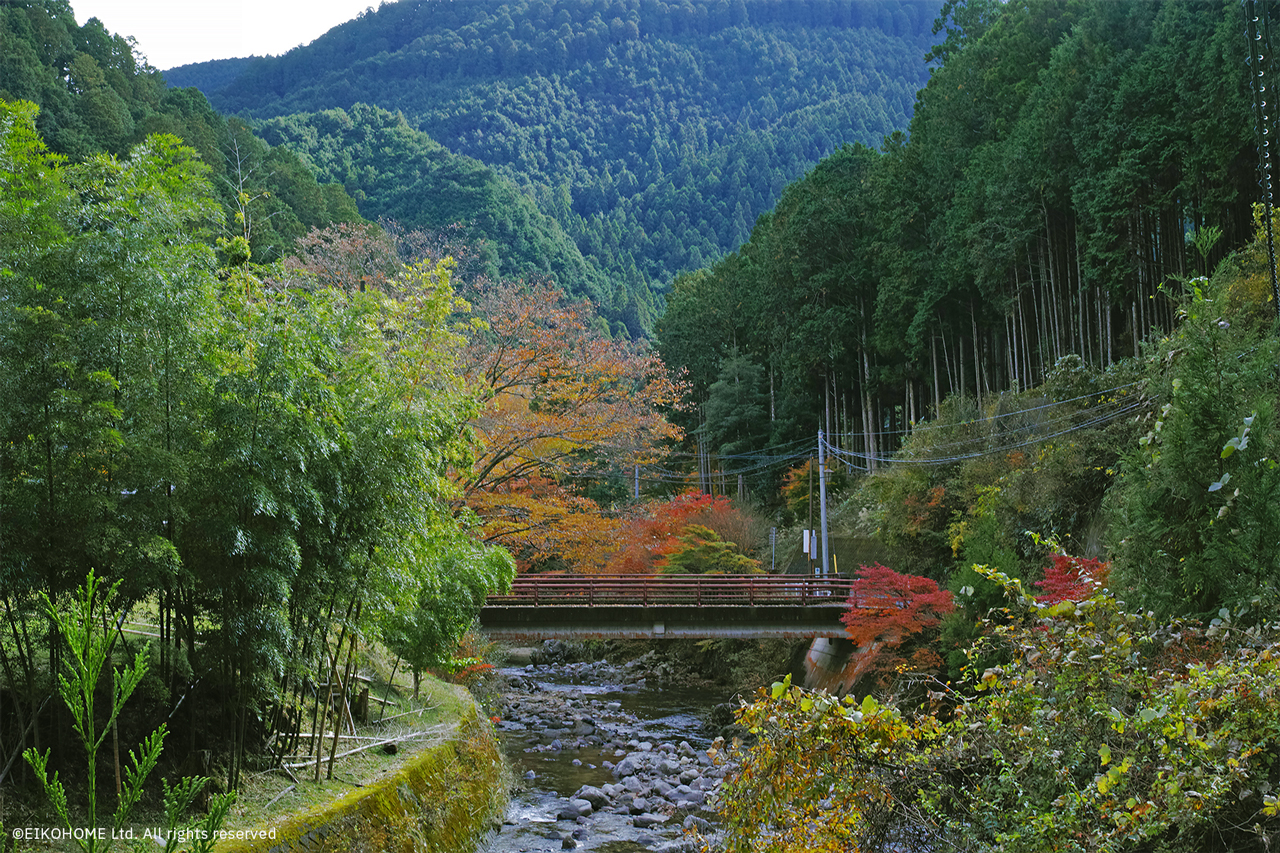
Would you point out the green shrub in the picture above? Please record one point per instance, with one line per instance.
(1195, 511)
(1103, 730)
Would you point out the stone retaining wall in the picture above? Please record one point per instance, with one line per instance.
(441, 801)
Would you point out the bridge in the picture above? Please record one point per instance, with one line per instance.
(543, 607)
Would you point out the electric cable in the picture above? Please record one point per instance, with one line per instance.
(948, 460)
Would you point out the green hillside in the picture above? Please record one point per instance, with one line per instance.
(96, 97)
(1071, 170)
(399, 173)
(654, 133)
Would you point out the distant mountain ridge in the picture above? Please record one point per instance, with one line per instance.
(654, 133)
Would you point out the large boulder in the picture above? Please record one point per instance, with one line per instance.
(598, 798)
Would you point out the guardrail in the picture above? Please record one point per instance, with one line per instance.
(691, 590)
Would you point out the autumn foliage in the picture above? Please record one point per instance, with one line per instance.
(536, 518)
(670, 535)
(890, 619)
(1083, 734)
(559, 403)
(1071, 579)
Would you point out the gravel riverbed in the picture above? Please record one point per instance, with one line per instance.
(612, 758)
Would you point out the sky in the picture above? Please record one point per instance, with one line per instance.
(177, 32)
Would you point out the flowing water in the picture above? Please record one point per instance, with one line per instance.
(609, 727)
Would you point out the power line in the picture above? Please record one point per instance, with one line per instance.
(1065, 417)
(947, 460)
(927, 427)
(800, 450)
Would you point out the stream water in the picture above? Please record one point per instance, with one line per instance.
(610, 758)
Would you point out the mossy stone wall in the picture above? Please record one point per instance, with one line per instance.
(442, 801)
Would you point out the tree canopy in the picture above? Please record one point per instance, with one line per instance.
(242, 445)
(655, 133)
(1050, 201)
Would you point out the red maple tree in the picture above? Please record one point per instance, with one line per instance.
(1071, 578)
(891, 618)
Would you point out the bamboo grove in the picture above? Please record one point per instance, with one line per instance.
(259, 459)
(1070, 165)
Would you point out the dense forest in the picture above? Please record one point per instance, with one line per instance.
(234, 444)
(1069, 167)
(654, 133)
(97, 96)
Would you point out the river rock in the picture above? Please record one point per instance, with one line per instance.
(679, 845)
(628, 766)
(593, 795)
(520, 656)
(648, 819)
(690, 799)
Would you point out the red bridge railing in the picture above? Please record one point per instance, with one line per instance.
(691, 590)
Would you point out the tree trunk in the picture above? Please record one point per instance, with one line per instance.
(937, 382)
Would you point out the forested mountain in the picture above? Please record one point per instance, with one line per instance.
(403, 175)
(96, 96)
(654, 133)
(1069, 167)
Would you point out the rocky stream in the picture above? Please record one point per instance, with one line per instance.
(608, 757)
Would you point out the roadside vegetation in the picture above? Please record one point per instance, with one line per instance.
(1041, 700)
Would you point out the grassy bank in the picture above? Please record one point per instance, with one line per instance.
(424, 774)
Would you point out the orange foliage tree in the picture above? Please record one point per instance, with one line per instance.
(559, 402)
(651, 534)
(891, 617)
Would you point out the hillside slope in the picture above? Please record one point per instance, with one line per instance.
(400, 173)
(654, 133)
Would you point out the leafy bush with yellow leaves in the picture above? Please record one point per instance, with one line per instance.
(1104, 730)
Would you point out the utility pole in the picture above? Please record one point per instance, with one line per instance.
(808, 531)
(822, 504)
